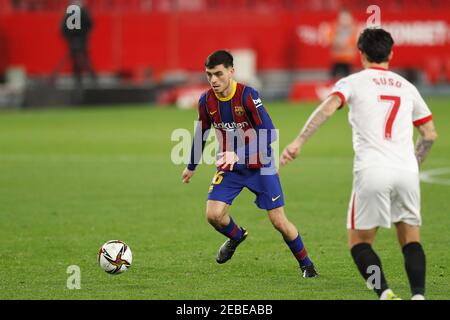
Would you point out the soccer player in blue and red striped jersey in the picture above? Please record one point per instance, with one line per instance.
(245, 133)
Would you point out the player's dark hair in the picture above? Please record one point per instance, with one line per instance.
(376, 43)
(219, 57)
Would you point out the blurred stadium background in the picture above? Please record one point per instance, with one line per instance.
(83, 162)
(152, 51)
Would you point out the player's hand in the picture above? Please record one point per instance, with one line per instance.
(289, 153)
(227, 158)
(187, 175)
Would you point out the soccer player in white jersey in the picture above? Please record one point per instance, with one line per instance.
(383, 108)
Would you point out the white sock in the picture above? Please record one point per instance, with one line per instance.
(418, 297)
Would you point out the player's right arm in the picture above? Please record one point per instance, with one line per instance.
(323, 112)
(425, 141)
(187, 175)
(198, 143)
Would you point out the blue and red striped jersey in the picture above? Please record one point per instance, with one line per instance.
(241, 123)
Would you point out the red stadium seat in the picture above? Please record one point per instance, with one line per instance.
(310, 90)
(433, 70)
(447, 69)
(5, 7)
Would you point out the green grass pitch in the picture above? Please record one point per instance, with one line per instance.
(71, 180)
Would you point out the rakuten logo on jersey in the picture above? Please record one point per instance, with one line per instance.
(252, 146)
(231, 126)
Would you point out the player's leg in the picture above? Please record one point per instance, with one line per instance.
(87, 65)
(293, 240)
(368, 262)
(279, 220)
(269, 196)
(407, 234)
(407, 219)
(217, 216)
(225, 186)
(414, 256)
(76, 66)
(369, 208)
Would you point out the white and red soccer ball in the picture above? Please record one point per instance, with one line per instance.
(115, 257)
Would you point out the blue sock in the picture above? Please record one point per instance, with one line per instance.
(299, 251)
(232, 231)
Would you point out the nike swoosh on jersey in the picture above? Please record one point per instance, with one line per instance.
(275, 199)
(212, 113)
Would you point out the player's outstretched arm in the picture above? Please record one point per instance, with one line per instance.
(323, 112)
(187, 175)
(425, 141)
(198, 144)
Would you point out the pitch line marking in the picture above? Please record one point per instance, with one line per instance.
(433, 176)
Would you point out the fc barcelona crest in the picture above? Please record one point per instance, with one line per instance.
(239, 110)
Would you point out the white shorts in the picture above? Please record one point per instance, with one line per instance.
(382, 196)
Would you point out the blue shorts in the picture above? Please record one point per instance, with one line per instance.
(226, 185)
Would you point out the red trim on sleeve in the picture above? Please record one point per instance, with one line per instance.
(340, 95)
(423, 120)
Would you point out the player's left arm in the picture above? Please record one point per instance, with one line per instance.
(322, 113)
(425, 141)
(262, 123)
(423, 121)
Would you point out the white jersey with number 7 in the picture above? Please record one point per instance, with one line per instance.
(383, 109)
